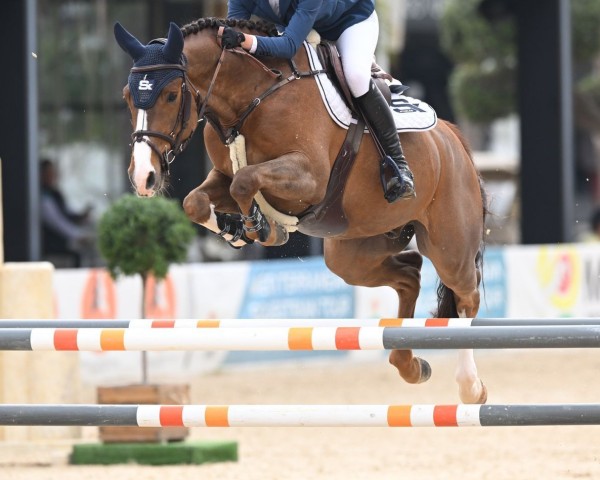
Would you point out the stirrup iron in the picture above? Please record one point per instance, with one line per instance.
(402, 189)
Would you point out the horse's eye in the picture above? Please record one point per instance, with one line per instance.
(171, 97)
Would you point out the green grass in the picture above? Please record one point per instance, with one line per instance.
(155, 453)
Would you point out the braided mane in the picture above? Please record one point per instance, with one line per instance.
(262, 27)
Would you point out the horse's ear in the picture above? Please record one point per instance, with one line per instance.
(129, 43)
(174, 46)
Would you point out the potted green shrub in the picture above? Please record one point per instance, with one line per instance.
(143, 236)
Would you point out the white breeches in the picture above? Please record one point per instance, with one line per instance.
(357, 47)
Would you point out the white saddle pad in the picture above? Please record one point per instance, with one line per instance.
(410, 114)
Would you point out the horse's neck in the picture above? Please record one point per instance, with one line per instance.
(238, 82)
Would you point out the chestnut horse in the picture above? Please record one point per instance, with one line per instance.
(290, 146)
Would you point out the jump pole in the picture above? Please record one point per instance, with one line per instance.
(300, 322)
(282, 339)
(301, 415)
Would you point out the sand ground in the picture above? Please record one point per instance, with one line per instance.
(496, 453)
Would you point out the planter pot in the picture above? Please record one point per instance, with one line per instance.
(143, 394)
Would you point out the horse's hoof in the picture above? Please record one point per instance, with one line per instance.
(425, 370)
(479, 400)
(407, 370)
(278, 235)
(281, 234)
(484, 394)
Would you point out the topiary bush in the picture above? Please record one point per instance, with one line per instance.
(143, 236)
(481, 95)
(483, 87)
(587, 103)
(467, 37)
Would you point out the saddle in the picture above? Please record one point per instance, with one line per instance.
(328, 218)
(330, 60)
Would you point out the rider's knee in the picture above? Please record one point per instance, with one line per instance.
(358, 80)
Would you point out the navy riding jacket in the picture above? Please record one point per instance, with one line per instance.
(297, 17)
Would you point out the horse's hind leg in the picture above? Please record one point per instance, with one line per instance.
(375, 262)
(456, 265)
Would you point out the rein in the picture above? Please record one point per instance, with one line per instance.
(229, 135)
(234, 131)
(212, 84)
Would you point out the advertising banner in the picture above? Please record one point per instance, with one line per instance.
(554, 281)
(296, 288)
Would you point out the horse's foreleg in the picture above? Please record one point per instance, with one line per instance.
(456, 266)
(289, 179)
(471, 388)
(211, 206)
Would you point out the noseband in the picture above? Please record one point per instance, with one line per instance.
(176, 144)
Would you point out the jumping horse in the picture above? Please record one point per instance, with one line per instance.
(289, 147)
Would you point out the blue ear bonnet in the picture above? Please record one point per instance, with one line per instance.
(145, 87)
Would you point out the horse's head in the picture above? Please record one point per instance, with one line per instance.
(161, 105)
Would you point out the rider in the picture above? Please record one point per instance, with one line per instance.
(354, 26)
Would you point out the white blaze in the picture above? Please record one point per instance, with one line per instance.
(142, 154)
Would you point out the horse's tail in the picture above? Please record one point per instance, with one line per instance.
(446, 307)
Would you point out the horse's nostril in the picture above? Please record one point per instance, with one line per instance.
(150, 180)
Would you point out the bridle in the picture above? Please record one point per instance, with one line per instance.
(174, 138)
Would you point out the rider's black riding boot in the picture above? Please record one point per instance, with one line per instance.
(379, 117)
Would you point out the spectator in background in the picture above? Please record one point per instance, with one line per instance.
(65, 234)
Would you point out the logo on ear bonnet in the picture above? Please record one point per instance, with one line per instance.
(145, 84)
